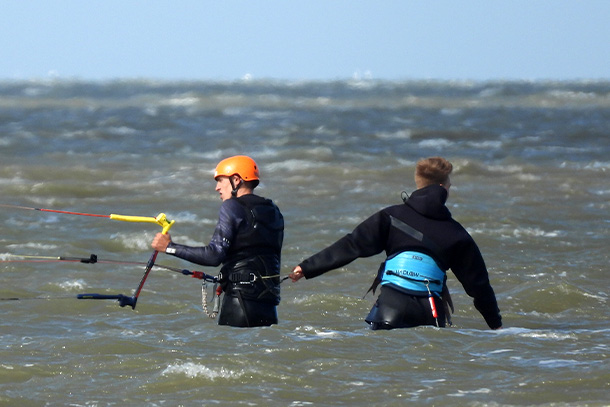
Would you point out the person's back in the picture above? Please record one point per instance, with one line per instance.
(421, 242)
(419, 230)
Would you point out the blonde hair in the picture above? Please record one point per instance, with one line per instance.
(432, 171)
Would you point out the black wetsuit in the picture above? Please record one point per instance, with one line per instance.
(247, 241)
(424, 211)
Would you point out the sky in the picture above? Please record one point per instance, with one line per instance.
(305, 40)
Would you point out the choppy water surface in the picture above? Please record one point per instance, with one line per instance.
(530, 184)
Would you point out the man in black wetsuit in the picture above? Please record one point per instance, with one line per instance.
(247, 241)
(421, 241)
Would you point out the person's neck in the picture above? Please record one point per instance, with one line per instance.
(242, 192)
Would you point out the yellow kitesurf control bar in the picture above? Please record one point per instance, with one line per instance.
(160, 220)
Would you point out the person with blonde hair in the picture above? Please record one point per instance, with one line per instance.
(421, 241)
(247, 241)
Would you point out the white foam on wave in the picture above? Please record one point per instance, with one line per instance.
(529, 177)
(134, 241)
(501, 351)
(536, 232)
(397, 135)
(183, 100)
(509, 232)
(462, 393)
(556, 336)
(317, 332)
(436, 143)
(191, 218)
(299, 403)
(575, 95)
(299, 165)
(598, 165)
(601, 297)
(556, 363)
(600, 192)
(486, 145)
(32, 245)
(122, 130)
(15, 180)
(505, 169)
(193, 370)
(72, 285)
(451, 111)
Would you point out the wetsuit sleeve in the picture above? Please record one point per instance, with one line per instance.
(230, 218)
(366, 240)
(469, 268)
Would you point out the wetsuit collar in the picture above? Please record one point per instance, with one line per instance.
(430, 202)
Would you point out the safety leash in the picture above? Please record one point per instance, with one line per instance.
(204, 300)
(432, 304)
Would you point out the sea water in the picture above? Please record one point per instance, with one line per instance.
(530, 184)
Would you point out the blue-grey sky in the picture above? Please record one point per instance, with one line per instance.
(305, 40)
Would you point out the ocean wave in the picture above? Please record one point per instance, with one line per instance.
(193, 370)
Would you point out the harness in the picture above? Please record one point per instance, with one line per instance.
(413, 272)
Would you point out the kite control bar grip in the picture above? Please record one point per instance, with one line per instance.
(124, 300)
(162, 221)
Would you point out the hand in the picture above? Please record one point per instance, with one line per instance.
(296, 275)
(161, 241)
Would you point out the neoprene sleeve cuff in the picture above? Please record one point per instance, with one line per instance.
(169, 249)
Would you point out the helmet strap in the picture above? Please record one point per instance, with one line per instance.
(234, 187)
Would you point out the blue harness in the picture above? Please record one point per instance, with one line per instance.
(413, 271)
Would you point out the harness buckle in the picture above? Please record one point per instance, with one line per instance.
(236, 278)
(252, 279)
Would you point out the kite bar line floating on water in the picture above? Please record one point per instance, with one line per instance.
(93, 259)
(123, 299)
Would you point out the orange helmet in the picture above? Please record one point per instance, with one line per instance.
(241, 165)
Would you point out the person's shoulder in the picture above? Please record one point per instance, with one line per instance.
(252, 200)
(394, 208)
(231, 205)
(397, 206)
(460, 232)
(232, 211)
(383, 214)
